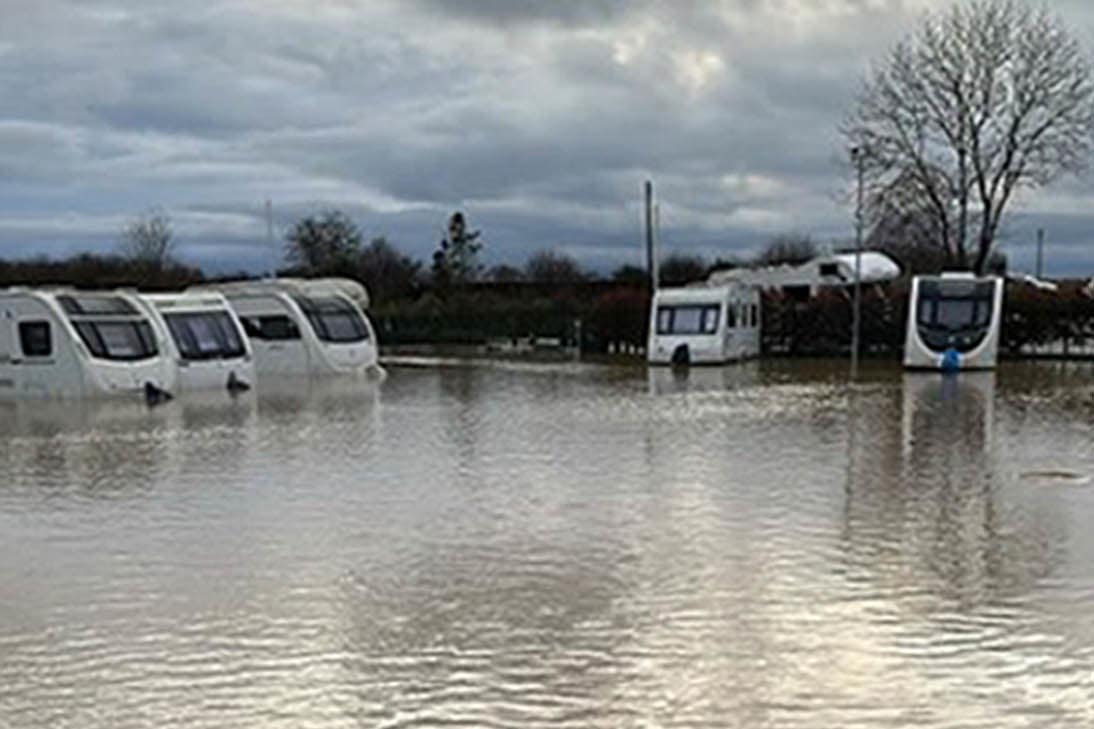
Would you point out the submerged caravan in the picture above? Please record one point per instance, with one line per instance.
(67, 343)
(704, 325)
(305, 326)
(954, 322)
(203, 339)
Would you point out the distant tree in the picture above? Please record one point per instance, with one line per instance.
(900, 222)
(504, 273)
(631, 275)
(148, 238)
(726, 264)
(386, 272)
(678, 270)
(982, 100)
(787, 249)
(554, 267)
(456, 258)
(326, 243)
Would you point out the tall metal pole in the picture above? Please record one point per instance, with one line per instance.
(270, 238)
(656, 246)
(649, 234)
(1040, 251)
(858, 157)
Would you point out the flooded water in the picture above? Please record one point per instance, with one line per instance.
(564, 546)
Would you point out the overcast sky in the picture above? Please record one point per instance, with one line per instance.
(539, 119)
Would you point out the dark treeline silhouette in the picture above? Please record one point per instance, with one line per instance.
(458, 300)
(91, 271)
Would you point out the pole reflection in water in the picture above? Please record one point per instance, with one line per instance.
(566, 546)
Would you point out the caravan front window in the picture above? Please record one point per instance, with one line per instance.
(689, 319)
(118, 340)
(271, 328)
(334, 319)
(206, 335)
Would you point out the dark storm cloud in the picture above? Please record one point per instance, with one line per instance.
(541, 119)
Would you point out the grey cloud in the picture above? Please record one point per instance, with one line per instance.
(542, 119)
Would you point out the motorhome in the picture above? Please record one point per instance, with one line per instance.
(68, 343)
(704, 325)
(202, 336)
(805, 280)
(305, 327)
(954, 322)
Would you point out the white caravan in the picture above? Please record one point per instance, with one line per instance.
(312, 327)
(203, 338)
(807, 279)
(704, 325)
(68, 343)
(954, 322)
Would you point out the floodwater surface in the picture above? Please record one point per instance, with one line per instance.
(557, 545)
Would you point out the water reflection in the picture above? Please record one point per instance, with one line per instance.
(552, 546)
(675, 380)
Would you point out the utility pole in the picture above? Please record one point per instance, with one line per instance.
(1040, 251)
(656, 246)
(649, 235)
(858, 156)
(270, 238)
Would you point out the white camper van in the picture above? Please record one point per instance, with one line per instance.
(704, 325)
(954, 322)
(297, 326)
(203, 338)
(68, 343)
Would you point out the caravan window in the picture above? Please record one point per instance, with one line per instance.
(207, 335)
(731, 316)
(118, 340)
(272, 328)
(35, 338)
(955, 305)
(334, 319)
(754, 315)
(85, 305)
(691, 319)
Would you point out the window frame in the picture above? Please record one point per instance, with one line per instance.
(221, 326)
(316, 309)
(24, 326)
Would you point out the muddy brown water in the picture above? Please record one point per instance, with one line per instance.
(508, 545)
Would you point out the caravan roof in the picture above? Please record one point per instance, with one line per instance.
(310, 288)
(832, 270)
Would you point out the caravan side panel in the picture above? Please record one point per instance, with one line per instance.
(37, 357)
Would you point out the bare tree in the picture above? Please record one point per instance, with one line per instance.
(793, 249)
(982, 100)
(548, 266)
(325, 243)
(148, 238)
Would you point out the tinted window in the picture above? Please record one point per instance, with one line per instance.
(118, 340)
(696, 319)
(210, 335)
(272, 328)
(35, 338)
(955, 305)
(334, 319)
(83, 305)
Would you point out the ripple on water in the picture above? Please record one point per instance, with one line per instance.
(555, 546)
